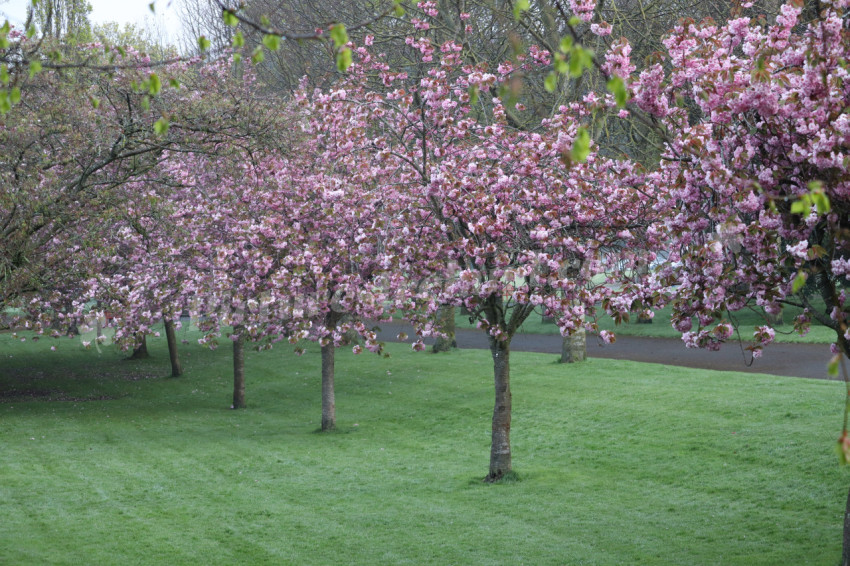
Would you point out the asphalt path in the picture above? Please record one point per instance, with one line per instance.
(794, 360)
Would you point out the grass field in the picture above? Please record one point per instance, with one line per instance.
(105, 461)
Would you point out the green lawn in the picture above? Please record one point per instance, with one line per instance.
(109, 462)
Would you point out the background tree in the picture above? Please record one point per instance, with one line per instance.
(66, 20)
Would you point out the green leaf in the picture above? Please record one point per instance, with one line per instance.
(343, 60)
(30, 31)
(581, 145)
(35, 67)
(799, 281)
(5, 103)
(146, 102)
(473, 95)
(257, 55)
(272, 42)
(161, 126)
(4, 74)
(238, 39)
(95, 102)
(154, 84)
(618, 88)
(237, 58)
(821, 202)
(203, 43)
(230, 18)
(15, 95)
(174, 83)
(551, 82)
(520, 6)
(802, 206)
(561, 65)
(575, 21)
(339, 36)
(398, 10)
(832, 368)
(575, 65)
(152, 7)
(566, 44)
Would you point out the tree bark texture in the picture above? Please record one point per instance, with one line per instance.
(446, 324)
(171, 339)
(238, 370)
(574, 347)
(328, 401)
(500, 445)
(140, 352)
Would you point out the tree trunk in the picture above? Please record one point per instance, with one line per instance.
(500, 445)
(328, 402)
(238, 370)
(140, 352)
(574, 347)
(446, 324)
(171, 339)
(845, 553)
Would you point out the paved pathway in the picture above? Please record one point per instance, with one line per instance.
(796, 360)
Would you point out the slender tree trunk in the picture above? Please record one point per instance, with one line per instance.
(845, 553)
(574, 347)
(171, 338)
(140, 352)
(500, 446)
(328, 401)
(238, 370)
(446, 324)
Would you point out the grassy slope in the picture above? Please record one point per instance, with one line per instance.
(621, 463)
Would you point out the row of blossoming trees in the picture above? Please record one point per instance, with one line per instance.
(400, 191)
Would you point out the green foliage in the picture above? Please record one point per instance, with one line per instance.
(107, 461)
(581, 145)
(520, 6)
(550, 83)
(35, 68)
(343, 60)
(230, 18)
(581, 59)
(203, 43)
(799, 281)
(154, 85)
(257, 55)
(814, 198)
(161, 126)
(271, 41)
(617, 87)
(339, 35)
(340, 39)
